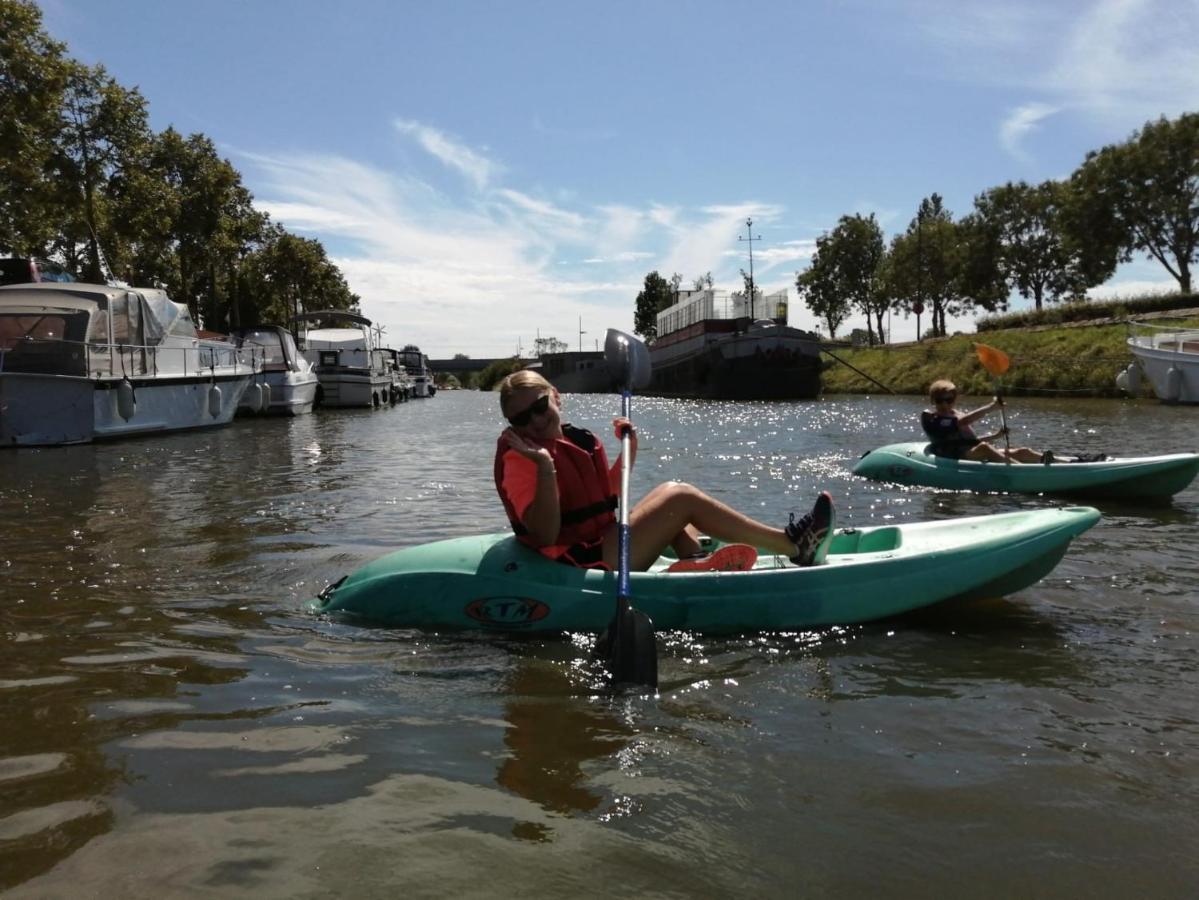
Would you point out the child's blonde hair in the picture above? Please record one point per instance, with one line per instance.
(941, 386)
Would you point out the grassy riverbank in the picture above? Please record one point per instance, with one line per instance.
(1071, 361)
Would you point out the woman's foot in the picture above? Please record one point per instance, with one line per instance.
(813, 533)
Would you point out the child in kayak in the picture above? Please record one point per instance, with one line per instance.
(951, 436)
(560, 493)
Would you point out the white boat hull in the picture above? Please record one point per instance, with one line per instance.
(348, 390)
(292, 394)
(1171, 363)
(49, 410)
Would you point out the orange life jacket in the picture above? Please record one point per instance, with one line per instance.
(584, 493)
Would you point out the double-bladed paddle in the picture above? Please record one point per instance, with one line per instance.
(996, 362)
(627, 647)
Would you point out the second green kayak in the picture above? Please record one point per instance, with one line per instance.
(1137, 477)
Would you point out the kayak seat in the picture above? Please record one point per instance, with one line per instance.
(850, 540)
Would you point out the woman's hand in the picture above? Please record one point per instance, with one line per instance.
(530, 451)
(619, 424)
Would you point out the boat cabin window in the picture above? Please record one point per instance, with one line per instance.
(50, 342)
(46, 326)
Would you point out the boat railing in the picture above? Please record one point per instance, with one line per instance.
(59, 356)
(1180, 336)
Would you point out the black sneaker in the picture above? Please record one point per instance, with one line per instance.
(813, 533)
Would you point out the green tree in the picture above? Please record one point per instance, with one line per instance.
(544, 345)
(817, 288)
(497, 371)
(1034, 255)
(33, 77)
(1142, 195)
(289, 275)
(925, 265)
(655, 296)
(845, 274)
(104, 132)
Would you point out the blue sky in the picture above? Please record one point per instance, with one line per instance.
(485, 171)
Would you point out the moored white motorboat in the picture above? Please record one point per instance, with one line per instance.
(1168, 355)
(84, 362)
(288, 377)
(416, 364)
(351, 368)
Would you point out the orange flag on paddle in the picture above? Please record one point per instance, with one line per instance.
(994, 361)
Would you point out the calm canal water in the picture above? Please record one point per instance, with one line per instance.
(175, 724)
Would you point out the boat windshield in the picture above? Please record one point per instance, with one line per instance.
(47, 325)
(266, 343)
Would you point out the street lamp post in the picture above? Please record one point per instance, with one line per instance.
(749, 239)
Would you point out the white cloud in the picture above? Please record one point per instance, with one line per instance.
(1111, 64)
(1131, 60)
(1019, 124)
(479, 273)
(457, 156)
(1132, 288)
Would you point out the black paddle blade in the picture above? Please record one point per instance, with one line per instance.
(628, 650)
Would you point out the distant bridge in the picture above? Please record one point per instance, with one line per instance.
(462, 365)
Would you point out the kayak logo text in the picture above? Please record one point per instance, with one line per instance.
(507, 612)
(899, 472)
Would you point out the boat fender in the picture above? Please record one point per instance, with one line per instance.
(1129, 380)
(1173, 385)
(264, 391)
(252, 398)
(126, 400)
(214, 401)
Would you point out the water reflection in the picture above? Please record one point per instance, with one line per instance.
(553, 731)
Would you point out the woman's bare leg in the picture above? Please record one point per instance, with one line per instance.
(662, 517)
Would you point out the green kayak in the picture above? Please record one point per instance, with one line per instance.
(493, 583)
(1139, 477)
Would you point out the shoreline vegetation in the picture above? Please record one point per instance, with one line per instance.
(1051, 356)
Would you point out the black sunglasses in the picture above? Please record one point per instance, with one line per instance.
(945, 398)
(525, 416)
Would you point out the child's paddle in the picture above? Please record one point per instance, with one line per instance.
(997, 362)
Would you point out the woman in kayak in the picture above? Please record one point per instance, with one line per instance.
(951, 436)
(560, 493)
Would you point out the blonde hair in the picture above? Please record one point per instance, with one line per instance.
(525, 378)
(941, 386)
